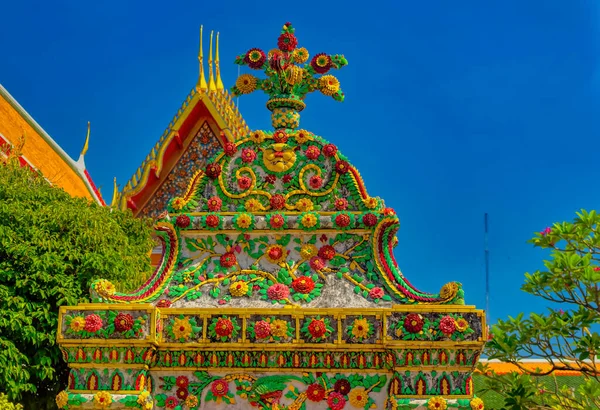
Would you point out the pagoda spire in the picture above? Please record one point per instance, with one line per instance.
(115, 194)
(217, 69)
(211, 79)
(201, 86)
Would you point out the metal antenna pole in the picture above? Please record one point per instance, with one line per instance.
(487, 267)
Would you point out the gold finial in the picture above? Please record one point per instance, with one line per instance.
(218, 70)
(113, 202)
(201, 86)
(87, 141)
(211, 79)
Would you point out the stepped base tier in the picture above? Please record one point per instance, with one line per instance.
(277, 288)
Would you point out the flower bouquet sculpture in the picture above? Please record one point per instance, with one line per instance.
(290, 77)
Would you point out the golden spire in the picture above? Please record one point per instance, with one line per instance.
(115, 194)
(201, 86)
(87, 141)
(211, 79)
(217, 69)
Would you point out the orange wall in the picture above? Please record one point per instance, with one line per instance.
(40, 153)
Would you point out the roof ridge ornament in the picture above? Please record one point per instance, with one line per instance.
(290, 77)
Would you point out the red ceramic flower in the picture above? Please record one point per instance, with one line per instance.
(413, 323)
(164, 303)
(244, 182)
(255, 58)
(213, 170)
(277, 201)
(278, 291)
(270, 179)
(303, 284)
(317, 328)
(336, 401)
(376, 293)
(389, 211)
(315, 392)
(228, 260)
(212, 221)
(370, 219)
(342, 386)
(275, 253)
(280, 136)
(447, 325)
(262, 329)
(219, 388)
(182, 381)
(123, 322)
(230, 149)
(171, 402)
(214, 204)
(315, 182)
(321, 63)
(248, 155)
(327, 252)
(313, 152)
(341, 204)
(224, 327)
(342, 220)
(317, 263)
(182, 394)
(276, 221)
(287, 42)
(329, 150)
(342, 167)
(93, 323)
(286, 178)
(183, 221)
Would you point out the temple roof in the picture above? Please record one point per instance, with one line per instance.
(41, 152)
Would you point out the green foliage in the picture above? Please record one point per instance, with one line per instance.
(51, 247)
(7, 405)
(566, 335)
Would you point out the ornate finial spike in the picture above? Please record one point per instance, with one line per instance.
(113, 202)
(87, 141)
(217, 69)
(201, 86)
(211, 78)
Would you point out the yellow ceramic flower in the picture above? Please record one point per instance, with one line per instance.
(329, 85)
(293, 75)
(300, 55)
(371, 203)
(449, 290)
(358, 397)
(308, 220)
(142, 397)
(304, 205)
(477, 404)
(257, 136)
(238, 289)
(253, 205)
(77, 324)
(301, 136)
(461, 324)
(361, 328)
(182, 329)
(178, 203)
(191, 401)
(246, 83)
(279, 328)
(105, 288)
(149, 406)
(437, 403)
(244, 221)
(308, 251)
(62, 399)
(102, 399)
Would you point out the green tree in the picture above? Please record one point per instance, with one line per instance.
(566, 335)
(51, 247)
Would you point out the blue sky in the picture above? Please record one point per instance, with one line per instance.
(452, 109)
